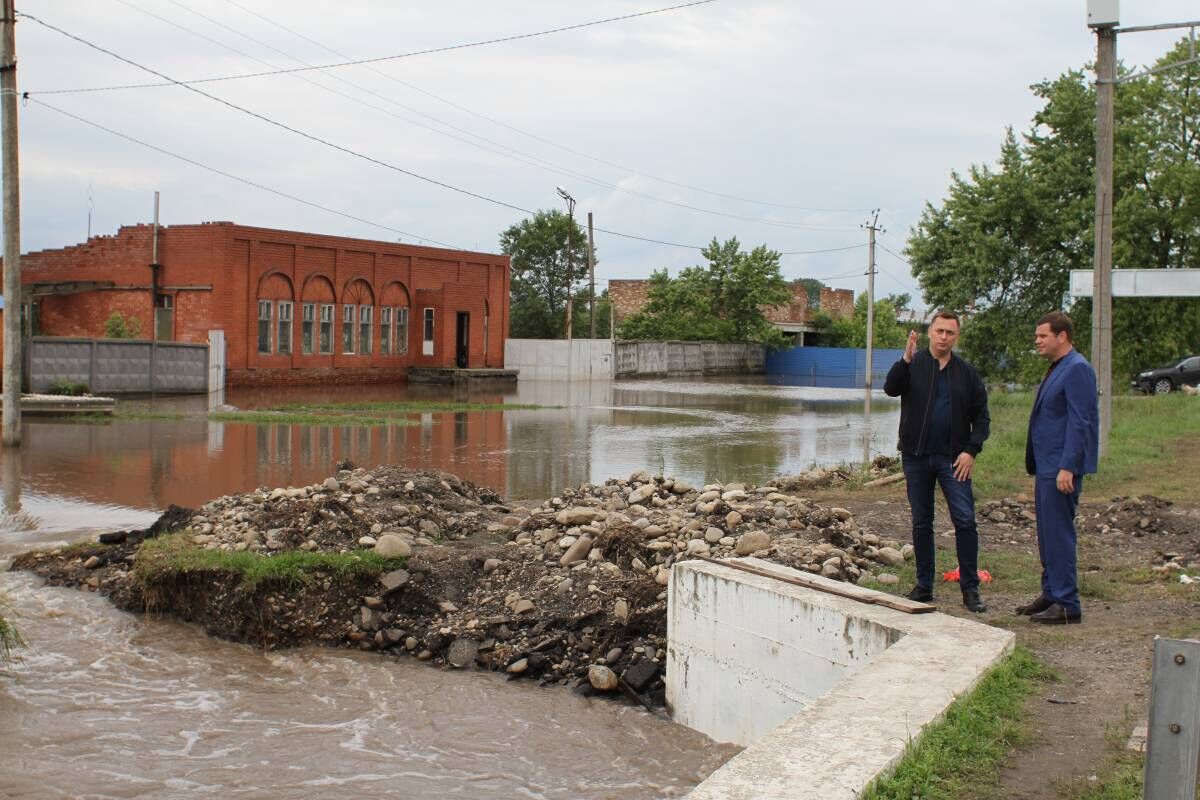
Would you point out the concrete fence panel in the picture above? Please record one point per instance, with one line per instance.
(116, 366)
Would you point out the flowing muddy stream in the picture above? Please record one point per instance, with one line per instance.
(105, 704)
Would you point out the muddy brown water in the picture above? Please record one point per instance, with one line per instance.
(105, 704)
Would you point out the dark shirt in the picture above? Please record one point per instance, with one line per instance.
(938, 438)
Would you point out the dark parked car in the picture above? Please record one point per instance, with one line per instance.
(1170, 375)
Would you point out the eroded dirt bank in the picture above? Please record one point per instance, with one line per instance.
(423, 564)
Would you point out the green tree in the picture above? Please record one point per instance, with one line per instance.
(721, 302)
(852, 331)
(538, 247)
(117, 326)
(1003, 241)
(581, 323)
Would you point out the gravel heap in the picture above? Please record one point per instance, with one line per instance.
(354, 509)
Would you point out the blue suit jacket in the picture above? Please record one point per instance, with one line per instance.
(1064, 425)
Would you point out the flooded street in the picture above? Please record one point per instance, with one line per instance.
(105, 704)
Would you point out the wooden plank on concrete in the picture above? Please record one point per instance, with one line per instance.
(849, 591)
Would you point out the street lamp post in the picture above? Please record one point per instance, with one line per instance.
(565, 195)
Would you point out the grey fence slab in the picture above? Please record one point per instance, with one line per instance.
(1173, 746)
(116, 366)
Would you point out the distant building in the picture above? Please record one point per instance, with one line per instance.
(795, 318)
(295, 307)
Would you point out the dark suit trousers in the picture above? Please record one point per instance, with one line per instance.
(1056, 540)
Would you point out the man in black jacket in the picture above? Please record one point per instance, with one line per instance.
(943, 424)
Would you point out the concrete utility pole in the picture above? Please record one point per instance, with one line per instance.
(11, 434)
(565, 195)
(1106, 76)
(591, 279)
(872, 227)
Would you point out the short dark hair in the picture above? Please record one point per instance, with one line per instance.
(944, 314)
(1059, 323)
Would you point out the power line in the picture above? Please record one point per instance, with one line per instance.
(519, 156)
(327, 143)
(379, 59)
(534, 136)
(301, 200)
(237, 178)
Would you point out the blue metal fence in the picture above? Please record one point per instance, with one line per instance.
(833, 367)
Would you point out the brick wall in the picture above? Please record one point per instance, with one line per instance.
(627, 297)
(215, 274)
(837, 302)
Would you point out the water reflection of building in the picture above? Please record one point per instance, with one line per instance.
(154, 463)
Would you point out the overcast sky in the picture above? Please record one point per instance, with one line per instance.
(780, 123)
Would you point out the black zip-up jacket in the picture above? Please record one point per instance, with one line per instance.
(915, 385)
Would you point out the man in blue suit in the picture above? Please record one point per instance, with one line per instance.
(1061, 446)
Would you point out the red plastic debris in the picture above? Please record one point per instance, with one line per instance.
(952, 576)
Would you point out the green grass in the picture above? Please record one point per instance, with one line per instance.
(173, 554)
(151, 415)
(1012, 573)
(1152, 449)
(281, 418)
(964, 750)
(10, 637)
(407, 406)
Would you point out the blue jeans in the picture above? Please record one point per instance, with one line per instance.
(921, 473)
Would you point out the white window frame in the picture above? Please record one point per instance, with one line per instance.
(308, 319)
(366, 318)
(428, 331)
(326, 319)
(385, 331)
(401, 330)
(348, 328)
(264, 316)
(283, 330)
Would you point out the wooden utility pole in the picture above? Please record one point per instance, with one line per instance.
(11, 433)
(1106, 80)
(591, 279)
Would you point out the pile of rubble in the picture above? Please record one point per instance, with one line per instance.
(353, 509)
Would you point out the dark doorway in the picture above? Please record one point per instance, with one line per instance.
(461, 340)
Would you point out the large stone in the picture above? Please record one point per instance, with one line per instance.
(577, 552)
(752, 542)
(370, 619)
(890, 556)
(621, 610)
(682, 487)
(698, 547)
(579, 515)
(394, 580)
(331, 485)
(602, 678)
(640, 494)
(462, 653)
(392, 546)
(518, 666)
(640, 674)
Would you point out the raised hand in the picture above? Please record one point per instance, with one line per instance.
(910, 348)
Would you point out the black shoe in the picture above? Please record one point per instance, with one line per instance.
(920, 594)
(1040, 603)
(1056, 615)
(973, 601)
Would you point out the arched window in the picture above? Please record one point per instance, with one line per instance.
(358, 304)
(275, 314)
(393, 319)
(316, 316)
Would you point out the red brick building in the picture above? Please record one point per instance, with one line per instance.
(295, 307)
(795, 317)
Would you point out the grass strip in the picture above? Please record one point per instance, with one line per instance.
(963, 751)
(281, 418)
(173, 555)
(1152, 448)
(409, 406)
(10, 639)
